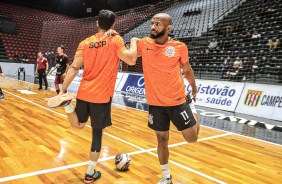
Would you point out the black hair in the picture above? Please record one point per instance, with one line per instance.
(106, 19)
(62, 47)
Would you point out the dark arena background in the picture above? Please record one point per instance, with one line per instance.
(236, 56)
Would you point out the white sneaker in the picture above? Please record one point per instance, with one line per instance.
(166, 180)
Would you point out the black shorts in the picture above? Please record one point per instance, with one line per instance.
(180, 115)
(100, 113)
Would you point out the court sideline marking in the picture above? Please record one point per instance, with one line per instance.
(214, 128)
(201, 125)
(204, 175)
(9, 178)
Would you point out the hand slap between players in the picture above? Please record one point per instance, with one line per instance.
(111, 33)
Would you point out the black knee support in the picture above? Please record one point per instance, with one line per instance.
(96, 140)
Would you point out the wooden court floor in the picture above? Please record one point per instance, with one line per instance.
(37, 145)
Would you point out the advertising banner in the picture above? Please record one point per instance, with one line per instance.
(217, 94)
(119, 77)
(76, 80)
(133, 83)
(262, 101)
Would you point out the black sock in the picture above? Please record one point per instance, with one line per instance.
(58, 91)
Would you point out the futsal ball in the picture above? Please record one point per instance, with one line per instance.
(122, 161)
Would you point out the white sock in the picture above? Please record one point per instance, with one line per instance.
(69, 108)
(91, 167)
(165, 169)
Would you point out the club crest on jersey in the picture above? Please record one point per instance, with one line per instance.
(169, 51)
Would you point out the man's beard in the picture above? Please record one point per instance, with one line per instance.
(160, 34)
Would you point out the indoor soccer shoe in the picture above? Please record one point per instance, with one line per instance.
(189, 97)
(94, 177)
(61, 100)
(166, 180)
(2, 96)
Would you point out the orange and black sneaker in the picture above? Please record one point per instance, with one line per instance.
(92, 178)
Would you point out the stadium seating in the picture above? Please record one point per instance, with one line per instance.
(195, 30)
(248, 14)
(210, 10)
(71, 33)
(205, 25)
(29, 25)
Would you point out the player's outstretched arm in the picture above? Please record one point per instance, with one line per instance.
(74, 69)
(189, 75)
(130, 55)
(53, 69)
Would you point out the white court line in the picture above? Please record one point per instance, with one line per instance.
(106, 134)
(36, 104)
(215, 128)
(100, 160)
(147, 111)
(200, 125)
(192, 170)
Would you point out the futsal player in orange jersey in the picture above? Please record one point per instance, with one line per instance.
(100, 56)
(162, 59)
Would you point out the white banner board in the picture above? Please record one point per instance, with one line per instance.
(217, 94)
(76, 80)
(262, 101)
(12, 68)
(119, 77)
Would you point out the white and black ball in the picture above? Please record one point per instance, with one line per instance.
(122, 161)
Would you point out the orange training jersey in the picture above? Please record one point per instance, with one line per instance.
(100, 67)
(164, 83)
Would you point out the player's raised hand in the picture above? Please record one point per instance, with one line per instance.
(111, 33)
